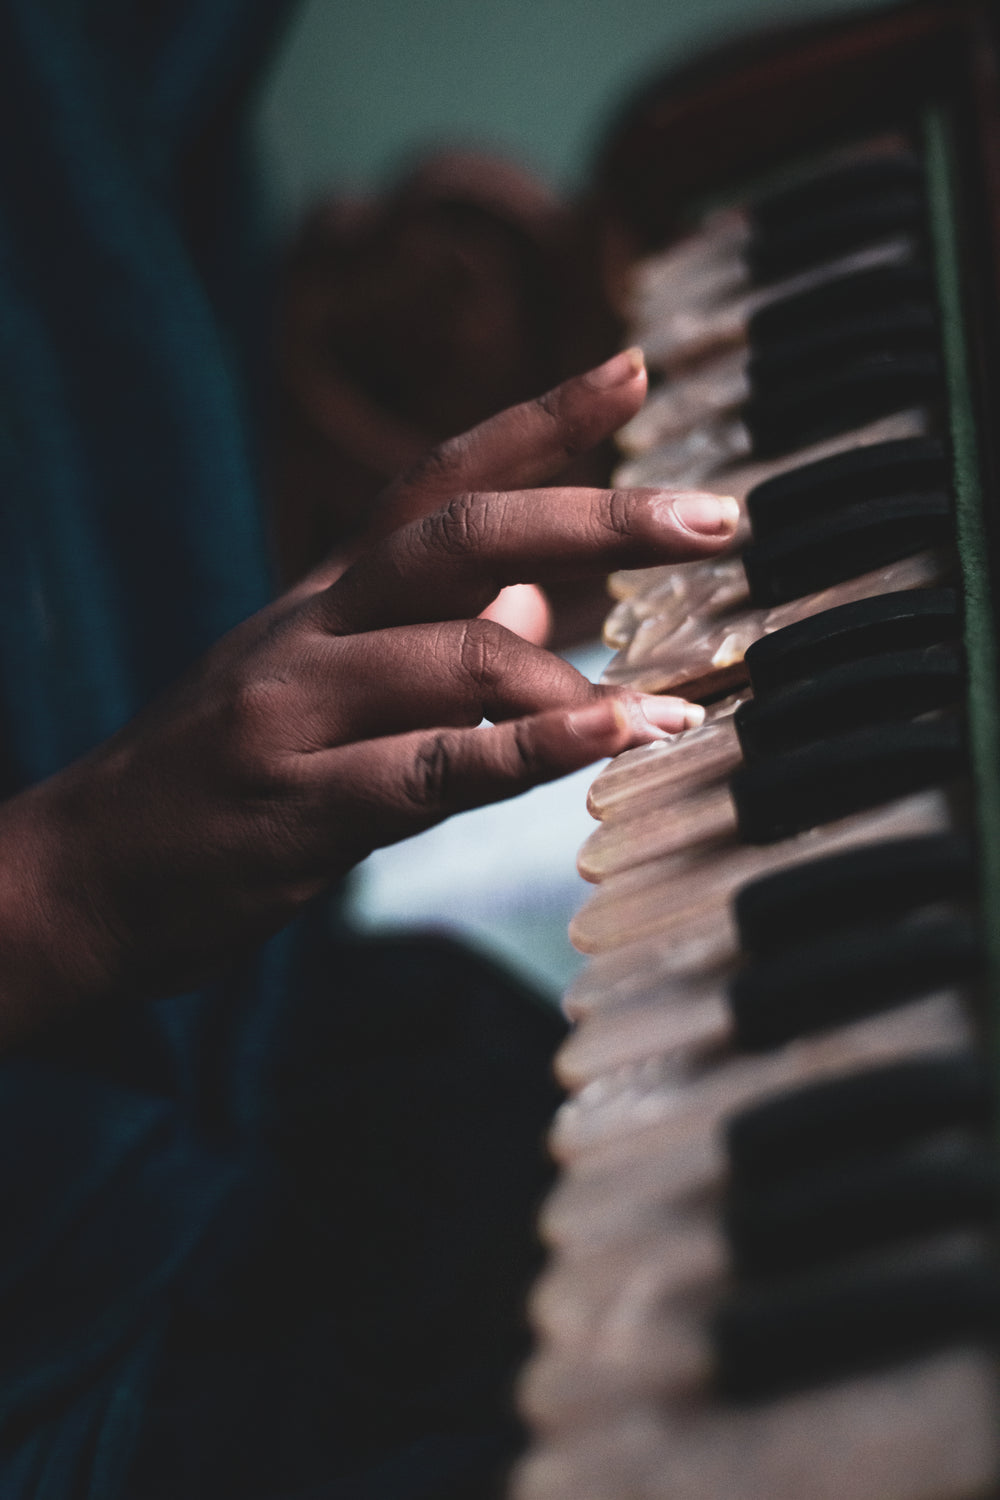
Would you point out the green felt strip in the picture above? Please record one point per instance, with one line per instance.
(980, 633)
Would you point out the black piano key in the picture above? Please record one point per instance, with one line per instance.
(808, 353)
(857, 1113)
(850, 973)
(854, 296)
(825, 1213)
(888, 622)
(768, 1339)
(877, 882)
(875, 690)
(832, 186)
(901, 467)
(834, 230)
(779, 795)
(816, 554)
(847, 394)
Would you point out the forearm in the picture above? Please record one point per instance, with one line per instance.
(53, 954)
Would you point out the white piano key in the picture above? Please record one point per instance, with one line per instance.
(678, 334)
(657, 1090)
(922, 1430)
(741, 479)
(704, 654)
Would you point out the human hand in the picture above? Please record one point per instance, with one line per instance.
(343, 717)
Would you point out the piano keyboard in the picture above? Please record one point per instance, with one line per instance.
(772, 1245)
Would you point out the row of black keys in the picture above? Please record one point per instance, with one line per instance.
(852, 708)
(834, 724)
(855, 347)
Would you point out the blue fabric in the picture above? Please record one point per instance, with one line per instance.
(130, 538)
(155, 1196)
(131, 535)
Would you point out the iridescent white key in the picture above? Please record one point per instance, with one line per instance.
(620, 1106)
(920, 1430)
(704, 651)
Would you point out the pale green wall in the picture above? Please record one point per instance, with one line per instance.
(358, 85)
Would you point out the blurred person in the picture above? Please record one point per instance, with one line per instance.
(267, 1188)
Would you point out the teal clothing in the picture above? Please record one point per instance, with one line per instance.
(200, 1195)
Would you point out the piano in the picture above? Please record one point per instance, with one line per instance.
(772, 1245)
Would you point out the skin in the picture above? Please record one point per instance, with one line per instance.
(343, 717)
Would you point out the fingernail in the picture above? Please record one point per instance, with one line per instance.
(618, 370)
(598, 721)
(671, 714)
(709, 515)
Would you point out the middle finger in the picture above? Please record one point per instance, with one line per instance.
(451, 564)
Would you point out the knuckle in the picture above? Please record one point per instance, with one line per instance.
(482, 648)
(257, 717)
(459, 529)
(428, 780)
(571, 434)
(524, 749)
(440, 468)
(615, 515)
(257, 705)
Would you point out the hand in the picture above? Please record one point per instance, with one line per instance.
(343, 717)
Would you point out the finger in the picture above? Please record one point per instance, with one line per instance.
(452, 674)
(523, 609)
(524, 445)
(452, 564)
(402, 785)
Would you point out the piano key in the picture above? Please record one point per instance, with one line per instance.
(698, 269)
(618, 1187)
(841, 1118)
(877, 689)
(786, 793)
(686, 1012)
(818, 553)
(847, 973)
(672, 409)
(705, 819)
(826, 1212)
(704, 754)
(636, 584)
(839, 395)
(608, 1114)
(653, 468)
(908, 284)
(836, 226)
(804, 410)
(903, 466)
(821, 490)
(827, 1443)
(678, 272)
(876, 882)
(662, 1315)
(888, 307)
(844, 1319)
(815, 783)
(645, 1303)
(806, 988)
(678, 335)
(630, 904)
(886, 622)
(705, 653)
(673, 595)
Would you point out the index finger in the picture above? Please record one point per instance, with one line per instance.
(522, 446)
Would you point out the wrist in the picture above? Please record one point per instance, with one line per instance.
(55, 950)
